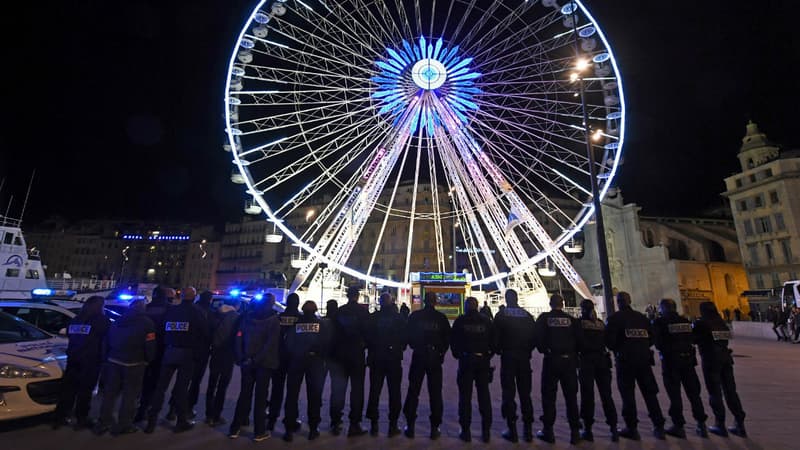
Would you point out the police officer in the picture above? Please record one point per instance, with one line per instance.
(675, 343)
(202, 350)
(287, 320)
(557, 337)
(308, 343)
(386, 342)
(594, 367)
(155, 310)
(348, 351)
(184, 327)
(712, 335)
(629, 336)
(86, 332)
(223, 359)
(472, 344)
(515, 333)
(131, 345)
(429, 337)
(256, 348)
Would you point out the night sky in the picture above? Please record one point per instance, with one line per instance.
(117, 105)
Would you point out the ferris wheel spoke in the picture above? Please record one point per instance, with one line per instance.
(300, 58)
(317, 43)
(483, 48)
(479, 33)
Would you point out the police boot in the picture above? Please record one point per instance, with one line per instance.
(287, 436)
(701, 430)
(587, 434)
(465, 434)
(738, 429)
(183, 425)
(393, 429)
(486, 433)
(373, 428)
(409, 431)
(574, 436)
(546, 435)
(355, 430)
(313, 433)
(614, 434)
(718, 429)
(270, 424)
(659, 433)
(151, 425)
(435, 432)
(336, 428)
(527, 432)
(630, 433)
(676, 431)
(511, 433)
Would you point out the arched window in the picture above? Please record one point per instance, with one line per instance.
(730, 284)
(649, 238)
(716, 252)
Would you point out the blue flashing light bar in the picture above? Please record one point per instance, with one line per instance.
(125, 297)
(42, 291)
(235, 292)
(259, 297)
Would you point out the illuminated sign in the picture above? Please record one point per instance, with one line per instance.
(440, 277)
(155, 237)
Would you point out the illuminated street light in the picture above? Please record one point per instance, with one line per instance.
(597, 135)
(573, 77)
(581, 64)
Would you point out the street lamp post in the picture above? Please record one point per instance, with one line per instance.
(322, 266)
(602, 249)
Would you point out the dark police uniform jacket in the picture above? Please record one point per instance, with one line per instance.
(257, 341)
(629, 335)
(557, 333)
(712, 336)
(86, 338)
(473, 335)
(674, 339)
(515, 332)
(287, 320)
(184, 330)
(132, 339)
(351, 325)
(386, 335)
(429, 333)
(310, 336)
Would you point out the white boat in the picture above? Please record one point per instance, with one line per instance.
(21, 270)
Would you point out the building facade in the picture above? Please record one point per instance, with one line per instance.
(765, 203)
(690, 260)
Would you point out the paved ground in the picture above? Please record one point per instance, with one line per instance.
(767, 374)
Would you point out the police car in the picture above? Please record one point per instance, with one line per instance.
(51, 318)
(32, 362)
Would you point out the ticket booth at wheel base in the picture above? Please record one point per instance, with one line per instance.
(451, 290)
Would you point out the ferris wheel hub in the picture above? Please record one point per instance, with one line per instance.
(429, 74)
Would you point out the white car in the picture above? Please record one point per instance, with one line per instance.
(31, 366)
(49, 317)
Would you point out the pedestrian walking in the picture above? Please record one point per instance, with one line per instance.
(675, 343)
(256, 349)
(348, 351)
(130, 346)
(557, 337)
(629, 335)
(86, 333)
(308, 343)
(472, 345)
(184, 328)
(594, 368)
(386, 342)
(429, 338)
(515, 334)
(712, 336)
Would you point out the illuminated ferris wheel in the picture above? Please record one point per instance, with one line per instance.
(474, 109)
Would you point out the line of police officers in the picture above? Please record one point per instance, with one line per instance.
(285, 349)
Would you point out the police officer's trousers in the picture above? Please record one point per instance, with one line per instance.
(198, 372)
(219, 376)
(353, 371)
(681, 372)
(277, 392)
(126, 380)
(595, 368)
(473, 369)
(392, 372)
(515, 377)
(180, 361)
(641, 373)
(720, 383)
(149, 383)
(427, 364)
(312, 368)
(255, 379)
(80, 378)
(560, 369)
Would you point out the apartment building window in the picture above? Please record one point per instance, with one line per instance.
(763, 225)
(776, 279)
(759, 281)
(738, 182)
(752, 178)
(758, 200)
(779, 224)
(773, 197)
(742, 205)
(748, 228)
(786, 249)
(768, 251)
(753, 251)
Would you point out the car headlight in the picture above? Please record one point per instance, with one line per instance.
(12, 371)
